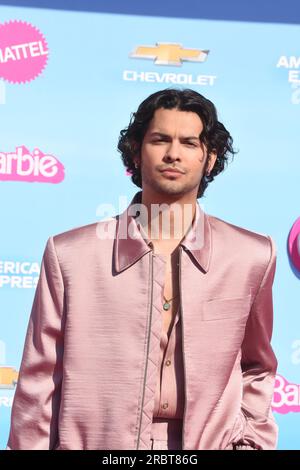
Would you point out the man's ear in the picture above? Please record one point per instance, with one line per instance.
(136, 153)
(212, 157)
(136, 162)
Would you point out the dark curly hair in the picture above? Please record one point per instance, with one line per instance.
(214, 135)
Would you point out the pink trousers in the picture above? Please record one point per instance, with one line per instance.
(166, 434)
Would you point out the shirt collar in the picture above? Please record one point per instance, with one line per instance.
(131, 242)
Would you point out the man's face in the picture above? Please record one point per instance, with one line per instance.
(172, 141)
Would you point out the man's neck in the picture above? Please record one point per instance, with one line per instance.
(166, 220)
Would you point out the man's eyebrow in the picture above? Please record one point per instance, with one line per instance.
(162, 134)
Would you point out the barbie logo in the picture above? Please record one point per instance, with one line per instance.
(294, 244)
(286, 396)
(36, 167)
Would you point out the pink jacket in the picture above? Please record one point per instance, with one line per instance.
(89, 367)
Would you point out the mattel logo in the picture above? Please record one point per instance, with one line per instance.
(294, 244)
(21, 165)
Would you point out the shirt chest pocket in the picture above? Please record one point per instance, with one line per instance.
(221, 309)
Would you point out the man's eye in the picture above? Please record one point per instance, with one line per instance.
(191, 144)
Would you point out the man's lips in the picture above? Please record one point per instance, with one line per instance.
(172, 170)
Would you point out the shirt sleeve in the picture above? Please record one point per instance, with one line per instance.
(34, 417)
(259, 365)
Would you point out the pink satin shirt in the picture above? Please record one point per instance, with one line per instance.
(169, 395)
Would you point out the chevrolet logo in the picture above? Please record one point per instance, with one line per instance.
(169, 54)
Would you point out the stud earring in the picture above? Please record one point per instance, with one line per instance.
(205, 177)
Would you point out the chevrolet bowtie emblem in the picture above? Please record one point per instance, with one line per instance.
(169, 54)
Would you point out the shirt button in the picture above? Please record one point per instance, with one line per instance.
(165, 405)
(168, 362)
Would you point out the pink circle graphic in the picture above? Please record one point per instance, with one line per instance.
(294, 244)
(23, 51)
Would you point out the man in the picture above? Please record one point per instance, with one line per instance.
(146, 335)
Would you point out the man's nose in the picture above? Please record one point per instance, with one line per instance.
(173, 151)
